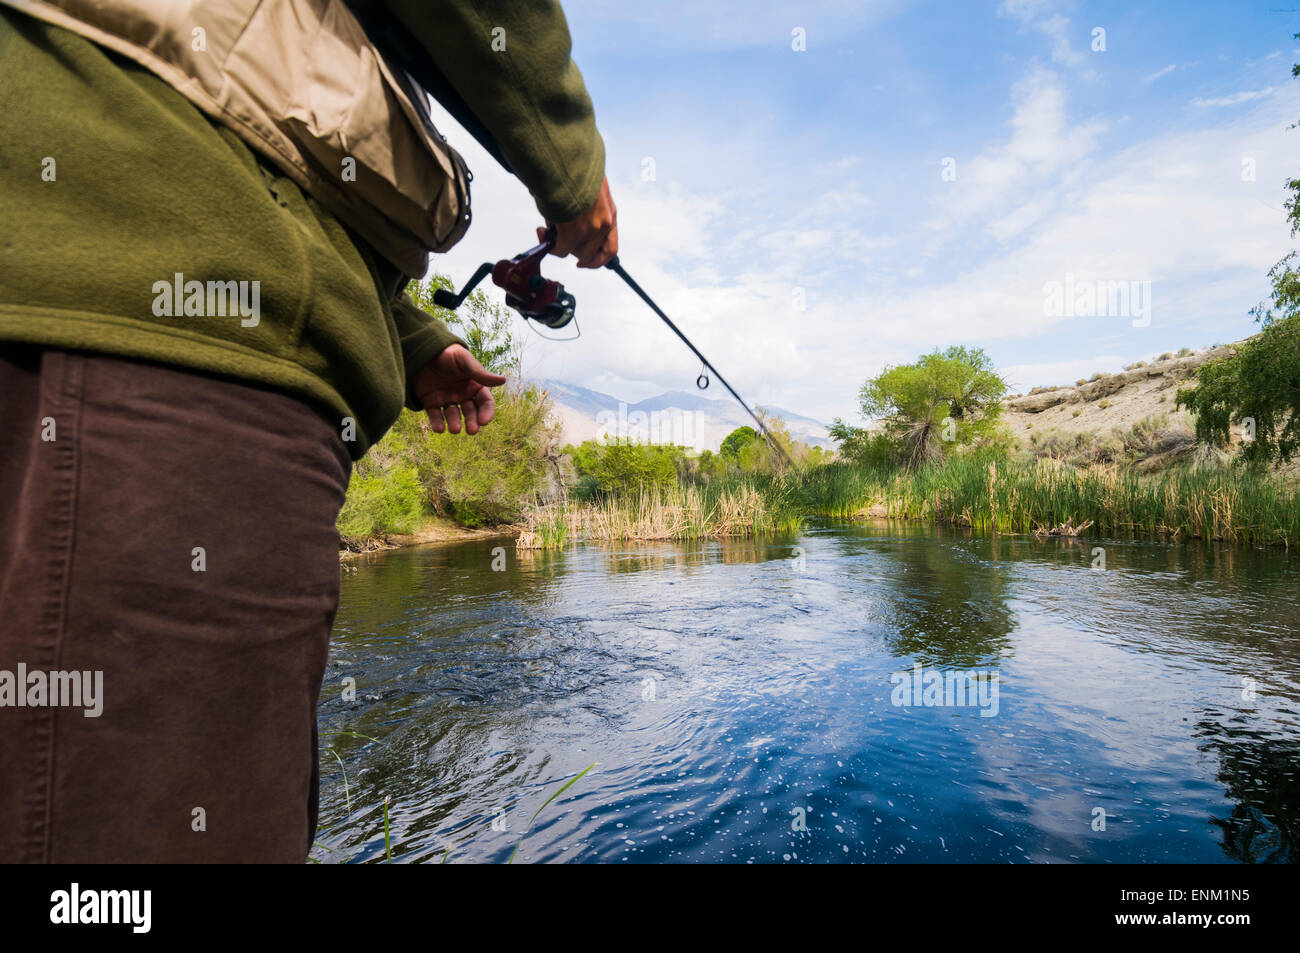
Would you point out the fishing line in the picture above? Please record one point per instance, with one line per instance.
(616, 266)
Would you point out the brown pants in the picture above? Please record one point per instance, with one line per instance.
(176, 533)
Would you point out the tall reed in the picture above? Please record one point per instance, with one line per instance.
(1024, 496)
(736, 509)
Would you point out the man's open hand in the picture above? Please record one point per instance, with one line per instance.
(454, 385)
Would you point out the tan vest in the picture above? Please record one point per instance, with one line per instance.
(299, 81)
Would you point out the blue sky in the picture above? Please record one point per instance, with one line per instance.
(782, 176)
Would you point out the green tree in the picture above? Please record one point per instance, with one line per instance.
(482, 323)
(413, 473)
(1258, 387)
(488, 478)
(736, 441)
(947, 398)
(757, 454)
(864, 447)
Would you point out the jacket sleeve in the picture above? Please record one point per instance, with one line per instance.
(509, 60)
(422, 338)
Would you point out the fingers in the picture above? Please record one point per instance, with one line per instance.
(566, 237)
(467, 364)
(600, 249)
(476, 412)
(436, 420)
(470, 412)
(487, 407)
(452, 413)
(593, 236)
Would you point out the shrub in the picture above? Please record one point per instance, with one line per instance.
(488, 478)
(622, 467)
(381, 500)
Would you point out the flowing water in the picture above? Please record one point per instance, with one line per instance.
(758, 702)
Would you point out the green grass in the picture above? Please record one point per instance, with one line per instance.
(568, 784)
(759, 506)
(1008, 495)
(1025, 496)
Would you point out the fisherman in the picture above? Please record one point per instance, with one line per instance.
(170, 481)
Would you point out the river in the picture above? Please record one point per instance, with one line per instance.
(858, 694)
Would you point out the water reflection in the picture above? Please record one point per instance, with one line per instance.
(731, 692)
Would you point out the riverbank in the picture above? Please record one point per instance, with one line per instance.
(436, 530)
(1045, 496)
(1016, 495)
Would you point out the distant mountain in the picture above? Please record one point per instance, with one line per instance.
(680, 417)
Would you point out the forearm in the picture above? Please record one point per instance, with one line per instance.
(510, 62)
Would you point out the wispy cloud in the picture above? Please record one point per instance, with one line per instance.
(1160, 72)
(1042, 15)
(1236, 98)
(1041, 141)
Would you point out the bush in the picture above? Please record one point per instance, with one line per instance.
(412, 473)
(1153, 435)
(621, 467)
(489, 478)
(381, 501)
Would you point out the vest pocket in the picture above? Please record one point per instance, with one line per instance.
(374, 158)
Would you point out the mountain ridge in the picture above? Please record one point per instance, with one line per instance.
(674, 416)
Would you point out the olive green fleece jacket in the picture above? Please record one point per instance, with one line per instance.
(114, 190)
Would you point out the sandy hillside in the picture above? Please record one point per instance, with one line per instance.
(1112, 401)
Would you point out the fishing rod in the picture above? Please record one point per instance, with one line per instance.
(545, 301)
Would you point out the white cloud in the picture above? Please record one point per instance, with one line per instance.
(1043, 16)
(1159, 73)
(1173, 211)
(1041, 142)
(1236, 98)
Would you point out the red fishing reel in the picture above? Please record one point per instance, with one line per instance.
(546, 302)
(535, 297)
